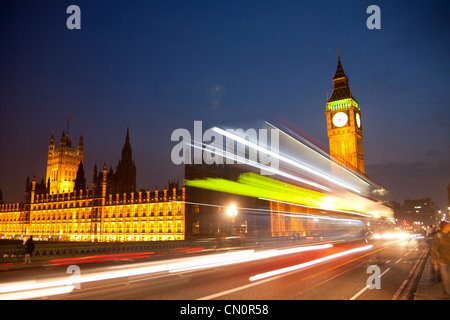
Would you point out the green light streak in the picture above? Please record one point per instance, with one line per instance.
(257, 186)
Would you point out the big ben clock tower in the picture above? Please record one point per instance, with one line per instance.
(344, 123)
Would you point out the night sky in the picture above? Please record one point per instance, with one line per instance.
(156, 66)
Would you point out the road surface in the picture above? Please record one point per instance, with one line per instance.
(384, 270)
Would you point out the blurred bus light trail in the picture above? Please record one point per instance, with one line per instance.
(306, 264)
(33, 289)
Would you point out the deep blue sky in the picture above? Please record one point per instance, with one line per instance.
(160, 65)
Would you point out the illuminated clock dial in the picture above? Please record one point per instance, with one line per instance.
(340, 119)
(358, 120)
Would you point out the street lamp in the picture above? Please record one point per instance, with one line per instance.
(232, 212)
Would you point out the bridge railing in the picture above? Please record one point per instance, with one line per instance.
(53, 250)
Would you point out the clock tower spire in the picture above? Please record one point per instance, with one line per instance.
(344, 123)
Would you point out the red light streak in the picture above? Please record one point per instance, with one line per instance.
(102, 258)
(305, 264)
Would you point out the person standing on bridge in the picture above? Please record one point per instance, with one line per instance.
(431, 232)
(442, 254)
(29, 248)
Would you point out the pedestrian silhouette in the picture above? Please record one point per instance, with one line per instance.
(29, 248)
(442, 255)
(430, 233)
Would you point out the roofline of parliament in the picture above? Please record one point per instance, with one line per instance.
(34, 195)
(97, 214)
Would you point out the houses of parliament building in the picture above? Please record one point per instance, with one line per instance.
(62, 208)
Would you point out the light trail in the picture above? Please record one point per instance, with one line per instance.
(257, 186)
(285, 159)
(251, 256)
(36, 293)
(59, 285)
(101, 258)
(326, 158)
(306, 264)
(337, 199)
(260, 166)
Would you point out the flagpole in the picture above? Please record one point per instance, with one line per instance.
(68, 119)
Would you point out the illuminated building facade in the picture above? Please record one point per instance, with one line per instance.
(80, 216)
(344, 123)
(61, 207)
(111, 211)
(62, 164)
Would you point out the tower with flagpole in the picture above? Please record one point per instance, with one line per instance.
(63, 162)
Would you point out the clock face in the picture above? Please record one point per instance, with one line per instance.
(340, 119)
(358, 120)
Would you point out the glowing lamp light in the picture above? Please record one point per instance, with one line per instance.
(327, 202)
(232, 211)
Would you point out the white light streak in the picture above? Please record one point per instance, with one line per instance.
(306, 264)
(248, 256)
(255, 164)
(285, 159)
(37, 293)
(320, 154)
(33, 289)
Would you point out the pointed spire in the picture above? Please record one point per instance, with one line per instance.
(80, 150)
(80, 181)
(339, 69)
(341, 88)
(63, 141)
(127, 153)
